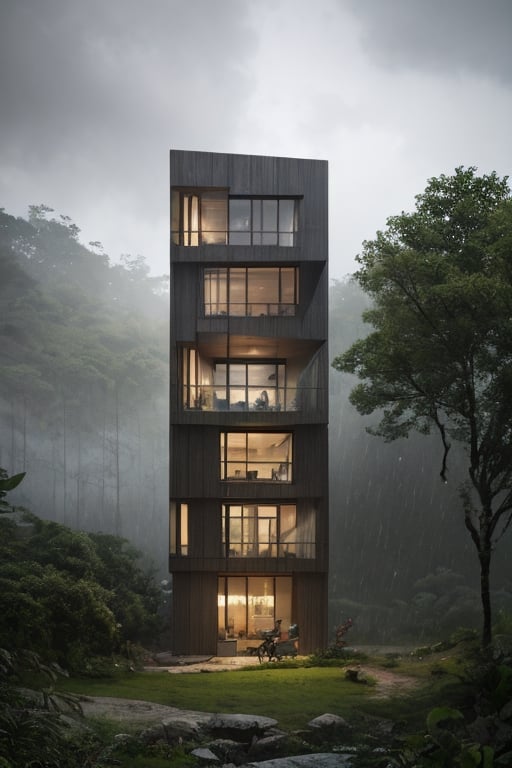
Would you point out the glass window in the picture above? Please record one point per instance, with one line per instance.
(262, 221)
(250, 385)
(178, 528)
(250, 291)
(268, 530)
(214, 214)
(240, 222)
(254, 456)
(199, 217)
(248, 605)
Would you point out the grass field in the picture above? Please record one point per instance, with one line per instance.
(292, 696)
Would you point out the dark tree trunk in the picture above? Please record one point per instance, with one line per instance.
(484, 556)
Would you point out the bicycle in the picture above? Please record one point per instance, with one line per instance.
(273, 648)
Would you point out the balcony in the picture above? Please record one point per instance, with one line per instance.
(249, 399)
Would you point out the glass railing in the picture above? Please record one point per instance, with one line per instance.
(237, 398)
(272, 470)
(249, 309)
(195, 237)
(271, 549)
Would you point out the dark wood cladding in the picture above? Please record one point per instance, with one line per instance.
(300, 341)
(310, 607)
(260, 175)
(194, 613)
(195, 468)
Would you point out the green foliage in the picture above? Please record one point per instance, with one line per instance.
(72, 596)
(32, 731)
(440, 355)
(446, 744)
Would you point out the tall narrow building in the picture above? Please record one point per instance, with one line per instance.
(248, 400)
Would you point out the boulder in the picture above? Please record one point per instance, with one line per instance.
(328, 720)
(240, 727)
(327, 728)
(206, 755)
(318, 760)
(228, 750)
(178, 730)
(268, 747)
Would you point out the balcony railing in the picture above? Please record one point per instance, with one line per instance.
(239, 398)
(272, 549)
(249, 309)
(271, 470)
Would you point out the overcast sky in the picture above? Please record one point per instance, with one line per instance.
(94, 93)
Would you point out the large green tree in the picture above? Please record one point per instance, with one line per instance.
(440, 353)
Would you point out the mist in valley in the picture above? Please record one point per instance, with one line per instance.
(84, 412)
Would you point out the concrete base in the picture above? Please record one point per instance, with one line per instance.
(226, 648)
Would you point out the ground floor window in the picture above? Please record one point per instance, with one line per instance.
(249, 604)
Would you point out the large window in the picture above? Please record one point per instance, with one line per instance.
(250, 291)
(249, 604)
(262, 221)
(256, 456)
(265, 530)
(211, 216)
(243, 386)
(236, 385)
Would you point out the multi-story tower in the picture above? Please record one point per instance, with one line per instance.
(249, 405)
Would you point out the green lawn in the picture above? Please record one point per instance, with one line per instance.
(291, 696)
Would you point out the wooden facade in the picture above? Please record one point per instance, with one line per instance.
(248, 519)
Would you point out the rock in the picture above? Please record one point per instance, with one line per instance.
(353, 675)
(318, 760)
(228, 751)
(152, 735)
(205, 754)
(268, 747)
(240, 727)
(179, 729)
(328, 721)
(327, 728)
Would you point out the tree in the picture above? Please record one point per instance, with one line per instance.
(439, 357)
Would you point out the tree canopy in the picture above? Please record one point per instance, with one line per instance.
(83, 380)
(71, 596)
(440, 353)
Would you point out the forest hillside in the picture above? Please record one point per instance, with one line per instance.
(84, 412)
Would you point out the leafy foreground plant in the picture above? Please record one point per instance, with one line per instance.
(33, 731)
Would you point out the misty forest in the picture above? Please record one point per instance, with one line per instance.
(84, 413)
(84, 583)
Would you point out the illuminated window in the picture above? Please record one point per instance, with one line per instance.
(256, 456)
(178, 528)
(212, 217)
(199, 217)
(247, 605)
(250, 291)
(243, 386)
(265, 530)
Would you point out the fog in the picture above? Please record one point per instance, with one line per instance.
(84, 411)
